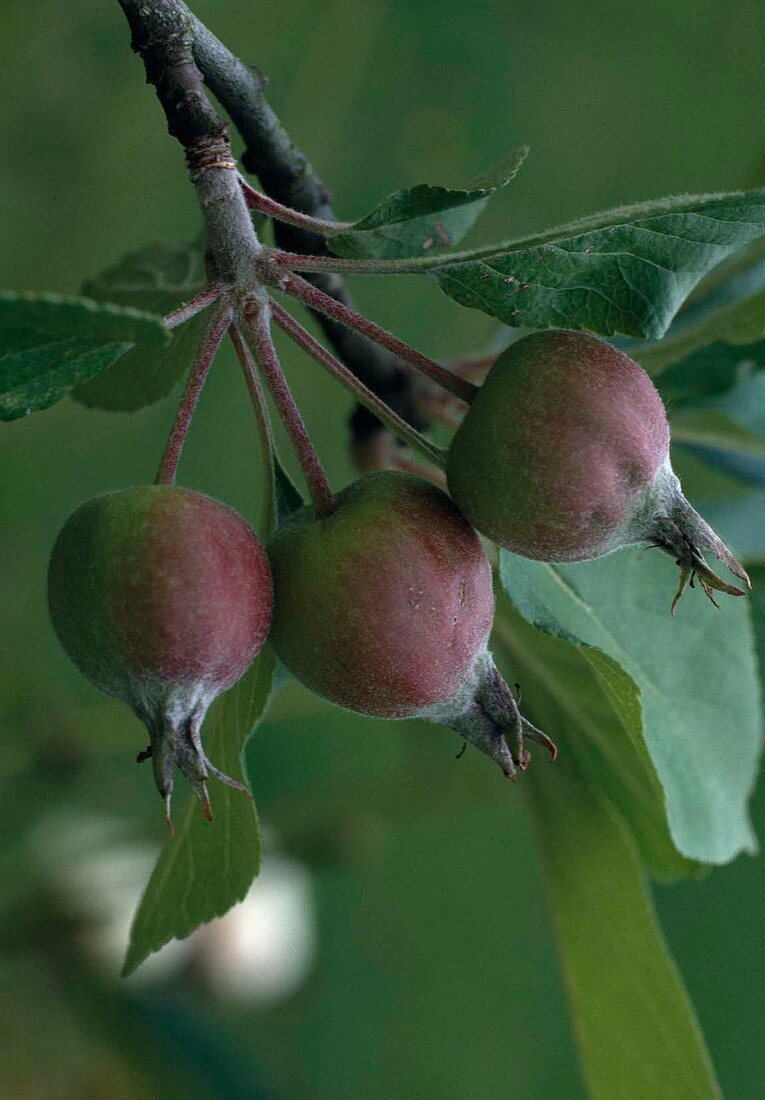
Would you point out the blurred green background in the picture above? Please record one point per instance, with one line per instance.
(398, 945)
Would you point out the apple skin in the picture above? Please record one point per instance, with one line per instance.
(159, 588)
(563, 456)
(383, 606)
(559, 448)
(162, 597)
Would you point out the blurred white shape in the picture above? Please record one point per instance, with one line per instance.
(261, 951)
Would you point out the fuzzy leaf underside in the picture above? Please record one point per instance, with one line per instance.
(757, 573)
(208, 866)
(160, 277)
(423, 219)
(49, 343)
(699, 368)
(592, 707)
(696, 674)
(623, 271)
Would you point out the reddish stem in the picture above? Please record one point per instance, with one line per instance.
(190, 309)
(207, 350)
(311, 296)
(261, 343)
(374, 403)
(256, 200)
(339, 265)
(266, 434)
(254, 387)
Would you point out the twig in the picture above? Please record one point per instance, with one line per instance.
(172, 43)
(163, 36)
(288, 177)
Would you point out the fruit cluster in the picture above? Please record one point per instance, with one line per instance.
(163, 597)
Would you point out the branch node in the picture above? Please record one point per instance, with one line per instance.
(209, 151)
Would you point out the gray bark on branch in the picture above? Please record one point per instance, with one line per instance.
(163, 36)
(286, 174)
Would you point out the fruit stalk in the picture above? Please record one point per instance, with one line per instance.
(265, 428)
(190, 309)
(347, 378)
(208, 349)
(316, 299)
(257, 333)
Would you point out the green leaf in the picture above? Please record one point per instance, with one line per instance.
(738, 326)
(29, 320)
(710, 358)
(696, 674)
(37, 378)
(757, 573)
(740, 276)
(282, 499)
(622, 271)
(589, 703)
(142, 376)
(712, 428)
(637, 1032)
(423, 219)
(711, 371)
(49, 343)
(160, 277)
(208, 866)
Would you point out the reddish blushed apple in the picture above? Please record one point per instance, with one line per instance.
(564, 456)
(162, 597)
(385, 607)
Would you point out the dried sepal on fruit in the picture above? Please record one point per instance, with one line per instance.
(564, 456)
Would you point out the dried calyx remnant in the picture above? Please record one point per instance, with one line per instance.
(564, 456)
(162, 597)
(385, 607)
